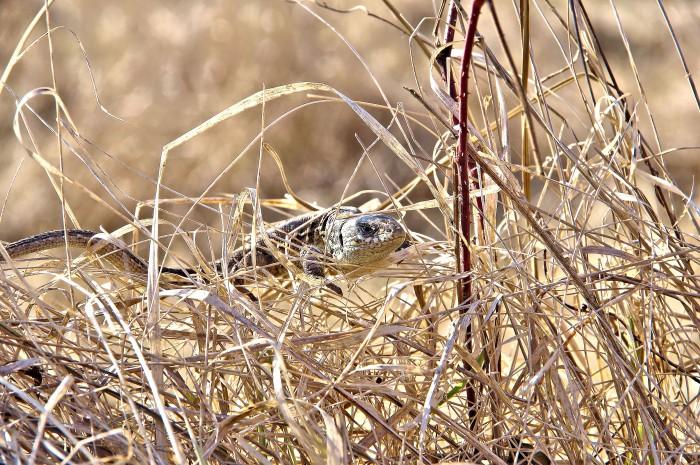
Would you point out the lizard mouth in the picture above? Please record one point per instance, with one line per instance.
(364, 252)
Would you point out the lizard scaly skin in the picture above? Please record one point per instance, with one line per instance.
(343, 236)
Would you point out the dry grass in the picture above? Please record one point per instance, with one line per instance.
(585, 330)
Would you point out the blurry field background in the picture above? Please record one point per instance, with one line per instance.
(166, 66)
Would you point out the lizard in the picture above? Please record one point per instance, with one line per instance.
(343, 236)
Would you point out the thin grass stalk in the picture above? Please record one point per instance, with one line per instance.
(524, 78)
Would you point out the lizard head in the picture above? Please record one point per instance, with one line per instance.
(361, 239)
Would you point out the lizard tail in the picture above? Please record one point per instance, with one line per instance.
(102, 245)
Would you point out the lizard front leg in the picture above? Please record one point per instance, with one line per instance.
(312, 264)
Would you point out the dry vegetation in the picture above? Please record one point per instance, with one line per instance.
(580, 341)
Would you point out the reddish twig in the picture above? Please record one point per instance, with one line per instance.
(464, 169)
(463, 166)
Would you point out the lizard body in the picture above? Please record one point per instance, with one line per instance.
(342, 236)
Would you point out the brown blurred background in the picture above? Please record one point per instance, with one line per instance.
(167, 66)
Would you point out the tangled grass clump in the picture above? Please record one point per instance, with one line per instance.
(578, 341)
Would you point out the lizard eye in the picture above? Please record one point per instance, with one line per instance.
(365, 229)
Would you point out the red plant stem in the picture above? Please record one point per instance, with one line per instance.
(464, 169)
(462, 159)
